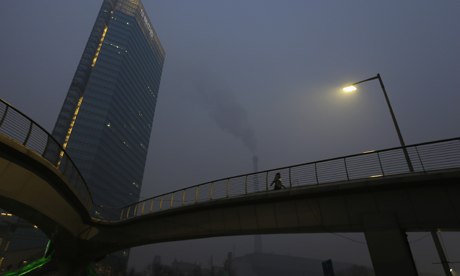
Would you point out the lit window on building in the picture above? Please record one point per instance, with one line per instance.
(98, 50)
(150, 91)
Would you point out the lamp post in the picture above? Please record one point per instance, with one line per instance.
(352, 88)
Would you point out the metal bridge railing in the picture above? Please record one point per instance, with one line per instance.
(424, 157)
(431, 156)
(19, 127)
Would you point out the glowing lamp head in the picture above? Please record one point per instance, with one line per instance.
(349, 89)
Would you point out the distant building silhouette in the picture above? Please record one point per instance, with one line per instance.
(274, 265)
(180, 268)
(256, 264)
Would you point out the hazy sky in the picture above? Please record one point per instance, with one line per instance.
(259, 76)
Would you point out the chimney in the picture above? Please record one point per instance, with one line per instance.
(257, 238)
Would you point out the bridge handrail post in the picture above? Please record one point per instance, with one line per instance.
(266, 181)
(290, 178)
(419, 158)
(161, 203)
(4, 114)
(227, 187)
(152, 205)
(211, 190)
(127, 212)
(28, 133)
(246, 185)
(346, 168)
(142, 209)
(135, 210)
(380, 163)
(172, 200)
(183, 197)
(316, 173)
(121, 213)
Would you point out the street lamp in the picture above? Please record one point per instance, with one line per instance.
(352, 88)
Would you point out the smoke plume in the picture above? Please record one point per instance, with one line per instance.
(229, 114)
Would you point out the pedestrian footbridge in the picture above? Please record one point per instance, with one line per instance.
(382, 193)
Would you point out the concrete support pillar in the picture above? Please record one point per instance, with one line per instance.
(388, 246)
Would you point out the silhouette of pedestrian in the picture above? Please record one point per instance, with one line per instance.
(277, 181)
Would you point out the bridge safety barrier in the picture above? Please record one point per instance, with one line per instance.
(20, 128)
(424, 157)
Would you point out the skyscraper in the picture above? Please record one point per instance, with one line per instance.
(106, 119)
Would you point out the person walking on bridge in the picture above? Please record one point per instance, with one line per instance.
(277, 181)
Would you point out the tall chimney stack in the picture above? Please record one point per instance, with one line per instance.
(257, 238)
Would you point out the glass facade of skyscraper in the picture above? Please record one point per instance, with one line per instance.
(106, 119)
